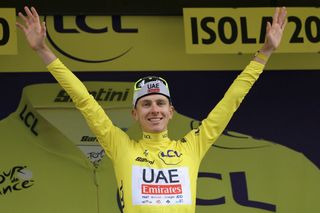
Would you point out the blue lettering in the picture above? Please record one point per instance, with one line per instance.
(151, 86)
(240, 193)
(209, 202)
(151, 179)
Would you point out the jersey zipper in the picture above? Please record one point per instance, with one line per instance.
(96, 183)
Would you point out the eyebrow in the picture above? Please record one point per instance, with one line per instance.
(157, 100)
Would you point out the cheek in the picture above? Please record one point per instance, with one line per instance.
(140, 114)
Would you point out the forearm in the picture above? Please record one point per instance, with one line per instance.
(69, 82)
(220, 116)
(94, 114)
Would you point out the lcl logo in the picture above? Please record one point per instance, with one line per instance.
(29, 120)
(240, 192)
(81, 25)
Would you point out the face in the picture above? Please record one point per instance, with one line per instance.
(153, 112)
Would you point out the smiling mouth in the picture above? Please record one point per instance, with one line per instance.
(154, 120)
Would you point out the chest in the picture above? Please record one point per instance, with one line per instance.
(159, 175)
(159, 157)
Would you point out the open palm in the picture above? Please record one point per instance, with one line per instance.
(275, 30)
(34, 30)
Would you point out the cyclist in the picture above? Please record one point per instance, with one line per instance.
(154, 174)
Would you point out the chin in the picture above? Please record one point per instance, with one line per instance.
(156, 130)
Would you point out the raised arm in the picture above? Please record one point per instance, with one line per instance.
(98, 121)
(35, 33)
(220, 116)
(273, 35)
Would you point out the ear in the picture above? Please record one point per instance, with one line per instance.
(134, 114)
(171, 111)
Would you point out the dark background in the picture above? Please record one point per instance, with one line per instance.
(283, 106)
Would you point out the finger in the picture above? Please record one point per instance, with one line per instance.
(268, 27)
(23, 17)
(34, 12)
(43, 28)
(282, 17)
(21, 27)
(275, 16)
(28, 12)
(284, 24)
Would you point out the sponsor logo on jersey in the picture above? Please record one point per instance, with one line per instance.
(146, 136)
(147, 202)
(179, 201)
(197, 131)
(160, 186)
(161, 189)
(120, 196)
(183, 140)
(141, 159)
(170, 157)
(15, 179)
(100, 95)
(165, 135)
(146, 153)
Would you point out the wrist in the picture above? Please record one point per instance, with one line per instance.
(266, 50)
(266, 53)
(261, 57)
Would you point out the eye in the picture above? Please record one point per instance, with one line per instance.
(146, 104)
(161, 103)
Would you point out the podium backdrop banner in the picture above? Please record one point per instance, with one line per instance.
(157, 43)
(8, 37)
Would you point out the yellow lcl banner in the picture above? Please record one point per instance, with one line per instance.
(144, 43)
(242, 30)
(8, 38)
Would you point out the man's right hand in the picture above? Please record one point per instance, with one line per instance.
(35, 33)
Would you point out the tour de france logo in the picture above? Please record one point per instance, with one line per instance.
(15, 179)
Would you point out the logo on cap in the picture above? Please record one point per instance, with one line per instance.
(153, 88)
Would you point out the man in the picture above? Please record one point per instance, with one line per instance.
(154, 174)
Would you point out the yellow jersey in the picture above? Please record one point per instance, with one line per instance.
(156, 174)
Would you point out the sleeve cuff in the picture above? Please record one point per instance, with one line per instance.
(53, 63)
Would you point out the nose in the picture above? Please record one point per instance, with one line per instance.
(154, 108)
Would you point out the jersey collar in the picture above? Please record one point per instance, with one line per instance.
(155, 137)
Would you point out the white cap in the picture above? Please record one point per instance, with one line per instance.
(150, 85)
